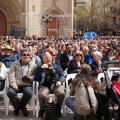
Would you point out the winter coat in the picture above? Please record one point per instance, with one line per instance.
(17, 71)
(81, 103)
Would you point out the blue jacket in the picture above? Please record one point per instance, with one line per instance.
(40, 75)
(8, 60)
(88, 59)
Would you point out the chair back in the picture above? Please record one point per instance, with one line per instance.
(69, 76)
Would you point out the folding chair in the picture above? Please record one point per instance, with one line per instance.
(37, 101)
(67, 89)
(69, 76)
(3, 93)
(32, 101)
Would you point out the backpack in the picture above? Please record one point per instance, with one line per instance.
(51, 111)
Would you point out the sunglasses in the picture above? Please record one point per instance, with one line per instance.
(78, 54)
(54, 55)
(25, 54)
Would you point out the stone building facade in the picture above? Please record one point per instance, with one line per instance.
(25, 17)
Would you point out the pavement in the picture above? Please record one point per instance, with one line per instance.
(21, 117)
(31, 116)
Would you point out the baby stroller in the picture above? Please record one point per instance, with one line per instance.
(109, 73)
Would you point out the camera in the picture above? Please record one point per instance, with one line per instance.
(26, 78)
(52, 77)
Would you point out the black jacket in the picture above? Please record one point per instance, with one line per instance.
(94, 67)
(40, 75)
(64, 61)
(105, 59)
(73, 67)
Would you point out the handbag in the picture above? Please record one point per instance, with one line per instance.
(92, 116)
(51, 111)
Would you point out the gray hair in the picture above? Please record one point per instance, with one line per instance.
(85, 48)
(97, 53)
(23, 50)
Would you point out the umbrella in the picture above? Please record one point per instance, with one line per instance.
(90, 35)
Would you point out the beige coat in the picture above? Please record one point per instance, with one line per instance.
(81, 103)
(16, 71)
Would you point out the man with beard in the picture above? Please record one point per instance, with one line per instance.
(7, 58)
(66, 57)
(20, 76)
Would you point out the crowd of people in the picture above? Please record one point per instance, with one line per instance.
(46, 59)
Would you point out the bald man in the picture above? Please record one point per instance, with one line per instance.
(51, 78)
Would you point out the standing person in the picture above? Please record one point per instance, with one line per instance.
(51, 78)
(8, 58)
(21, 75)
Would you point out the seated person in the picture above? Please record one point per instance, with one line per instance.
(8, 58)
(97, 62)
(20, 76)
(74, 65)
(109, 55)
(117, 60)
(116, 84)
(116, 87)
(80, 103)
(3, 75)
(51, 78)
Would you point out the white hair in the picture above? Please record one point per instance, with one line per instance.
(97, 53)
(85, 48)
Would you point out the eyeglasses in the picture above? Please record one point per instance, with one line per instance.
(54, 55)
(25, 54)
(78, 54)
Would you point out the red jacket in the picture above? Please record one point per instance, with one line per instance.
(116, 87)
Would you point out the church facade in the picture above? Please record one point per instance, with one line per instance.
(36, 17)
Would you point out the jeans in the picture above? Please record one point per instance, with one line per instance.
(101, 105)
(27, 94)
(69, 102)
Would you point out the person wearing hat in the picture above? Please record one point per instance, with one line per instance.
(8, 58)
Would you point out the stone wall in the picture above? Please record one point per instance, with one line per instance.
(26, 16)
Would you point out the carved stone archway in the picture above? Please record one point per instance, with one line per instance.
(12, 11)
